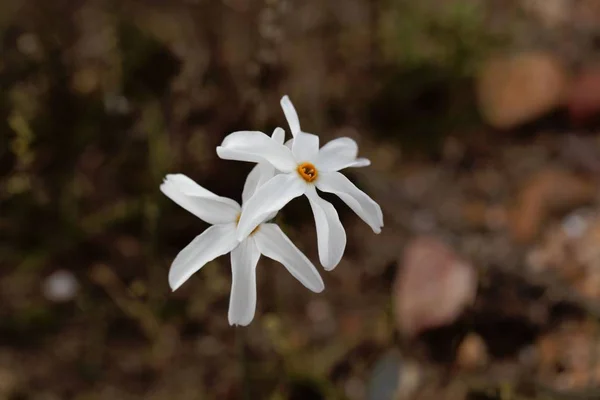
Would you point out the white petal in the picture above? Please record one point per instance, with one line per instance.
(242, 300)
(331, 236)
(202, 203)
(359, 162)
(356, 199)
(289, 143)
(305, 147)
(290, 114)
(260, 174)
(212, 243)
(269, 198)
(278, 135)
(339, 154)
(273, 243)
(253, 146)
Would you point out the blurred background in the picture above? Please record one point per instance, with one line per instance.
(481, 121)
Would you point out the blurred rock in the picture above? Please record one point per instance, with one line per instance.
(570, 250)
(320, 314)
(423, 221)
(529, 356)
(589, 285)
(433, 287)
(472, 353)
(582, 153)
(496, 217)
(354, 389)
(584, 95)
(29, 44)
(586, 14)
(575, 225)
(474, 214)
(85, 80)
(519, 88)
(552, 13)
(9, 382)
(574, 347)
(548, 191)
(60, 286)
(385, 378)
(551, 253)
(411, 379)
(586, 249)
(116, 104)
(453, 150)
(128, 246)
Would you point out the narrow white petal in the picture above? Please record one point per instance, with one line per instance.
(273, 243)
(364, 206)
(339, 154)
(331, 236)
(242, 300)
(289, 143)
(278, 135)
(359, 162)
(290, 114)
(260, 174)
(212, 243)
(305, 147)
(344, 146)
(202, 203)
(253, 146)
(269, 198)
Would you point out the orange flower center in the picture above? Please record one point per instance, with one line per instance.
(307, 171)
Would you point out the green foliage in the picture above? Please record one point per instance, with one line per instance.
(452, 35)
(431, 51)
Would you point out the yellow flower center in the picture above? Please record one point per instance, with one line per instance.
(307, 171)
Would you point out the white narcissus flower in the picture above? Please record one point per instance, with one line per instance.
(342, 147)
(263, 171)
(304, 168)
(221, 238)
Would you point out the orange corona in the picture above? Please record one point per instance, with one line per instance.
(307, 171)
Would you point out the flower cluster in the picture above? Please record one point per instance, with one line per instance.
(283, 171)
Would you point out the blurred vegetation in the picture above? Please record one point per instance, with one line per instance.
(431, 52)
(451, 35)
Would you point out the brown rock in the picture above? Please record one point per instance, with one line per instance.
(584, 95)
(472, 352)
(9, 382)
(474, 214)
(548, 352)
(86, 80)
(550, 190)
(515, 89)
(433, 288)
(586, 249)
(552, 13)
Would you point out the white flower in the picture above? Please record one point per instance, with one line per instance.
(304, 167)
(223, 213)
(342, 147)
(263, 171)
